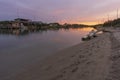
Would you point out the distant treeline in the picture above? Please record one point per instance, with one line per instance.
(38, 25)
(114, 23)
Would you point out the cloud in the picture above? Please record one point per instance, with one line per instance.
(59, 10)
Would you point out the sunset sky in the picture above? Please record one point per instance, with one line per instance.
(62, 11)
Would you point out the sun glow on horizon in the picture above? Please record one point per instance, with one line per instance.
(85, 23)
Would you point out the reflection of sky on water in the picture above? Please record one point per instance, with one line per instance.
(71, 36)
(19, 51)
(61, 37)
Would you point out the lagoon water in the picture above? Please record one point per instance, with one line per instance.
(18, 50)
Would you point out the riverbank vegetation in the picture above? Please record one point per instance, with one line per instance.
(112, 23)
(29, 24)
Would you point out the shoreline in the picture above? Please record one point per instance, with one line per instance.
(90, 60)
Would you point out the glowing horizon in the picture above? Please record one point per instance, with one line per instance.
(89, 12)
(86, 23)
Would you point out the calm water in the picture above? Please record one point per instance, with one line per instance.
(20, 50)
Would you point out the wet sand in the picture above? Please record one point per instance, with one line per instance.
(96, 59)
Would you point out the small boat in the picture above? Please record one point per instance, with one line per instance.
(91, 35)
(86, 38)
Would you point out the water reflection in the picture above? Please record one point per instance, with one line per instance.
(13, 32)
(21, 32)
(19, 51)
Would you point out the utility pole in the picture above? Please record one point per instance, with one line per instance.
(117, 13)
(103, 20)
(17, 13)
(34, 18)
(108, 17)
